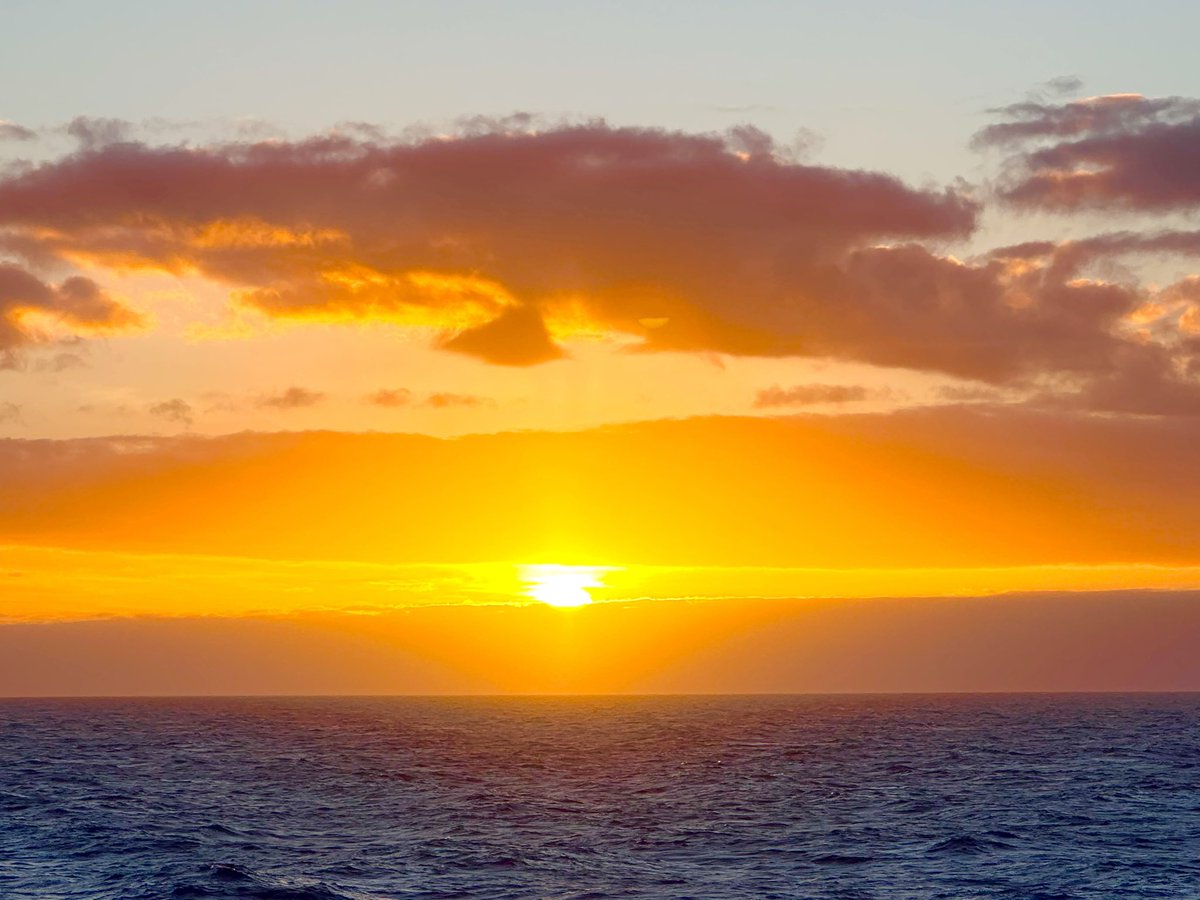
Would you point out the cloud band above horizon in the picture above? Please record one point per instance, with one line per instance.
(507, 240)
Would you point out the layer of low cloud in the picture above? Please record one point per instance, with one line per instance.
(1103, 641)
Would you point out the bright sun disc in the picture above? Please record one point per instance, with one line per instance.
(562, 586)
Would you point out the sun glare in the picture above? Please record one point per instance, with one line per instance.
(562, 586)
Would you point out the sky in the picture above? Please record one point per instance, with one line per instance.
(467, 347)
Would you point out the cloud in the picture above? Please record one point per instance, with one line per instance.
(999, 319)
(120, 409)
(955, 486)
(445, 400)
(1146, 383)
(397, 397)
(507, 242)
(220, 401)
(94, 133)
(77, 303)
(1145, 359)
(9, 412)
(1121, 151)
(815, 394)
(292, 398)
(963, 393)
(176, 410)
(61, 362)
(516, 337)
(1062, 85)
(391, 397)
(11, 131)
(498, 237)
(1108, 114)
(1059, 641)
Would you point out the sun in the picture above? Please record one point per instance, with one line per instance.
(561, 586)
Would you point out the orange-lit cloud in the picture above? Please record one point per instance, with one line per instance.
(326, 562)
(30, 308)
(712, 553)
(508, 242)
(718, 241)
(516, 337)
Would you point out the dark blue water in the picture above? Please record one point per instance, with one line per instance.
(319, 799)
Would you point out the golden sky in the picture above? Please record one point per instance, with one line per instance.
(563, 405)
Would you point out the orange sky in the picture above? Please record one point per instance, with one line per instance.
(757, 417)
(305, 546)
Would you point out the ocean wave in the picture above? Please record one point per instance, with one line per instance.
(392, 799)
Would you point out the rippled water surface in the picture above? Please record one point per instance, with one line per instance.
(955, 796)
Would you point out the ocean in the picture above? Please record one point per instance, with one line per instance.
(897, 796)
